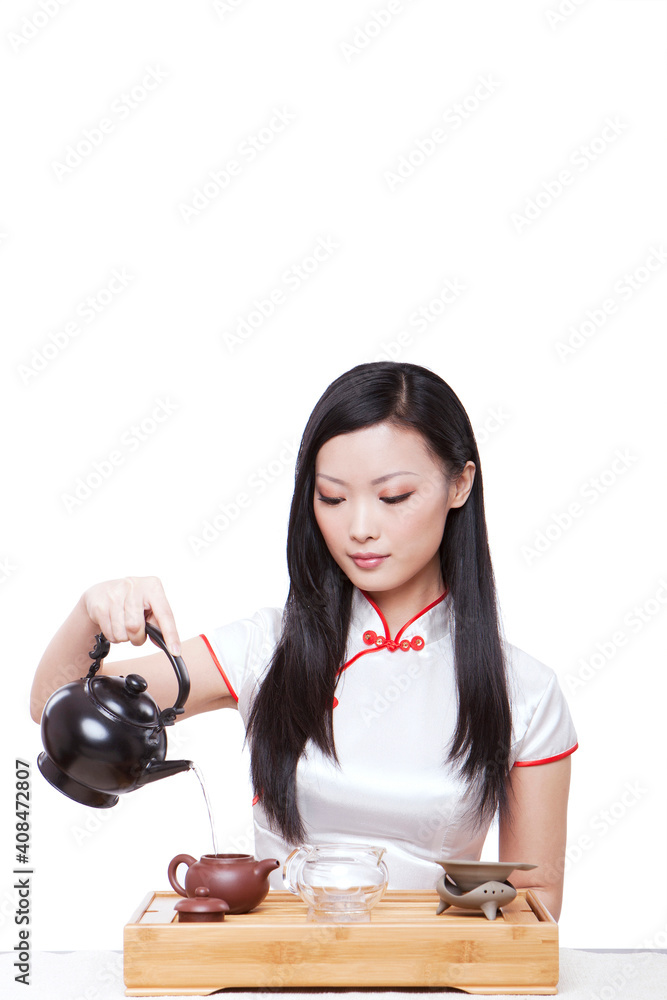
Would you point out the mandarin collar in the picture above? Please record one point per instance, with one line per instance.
(429, 624)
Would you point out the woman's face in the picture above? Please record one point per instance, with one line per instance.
(381, 501)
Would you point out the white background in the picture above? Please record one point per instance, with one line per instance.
(550, 426)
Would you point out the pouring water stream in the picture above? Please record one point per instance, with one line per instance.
(193, 767)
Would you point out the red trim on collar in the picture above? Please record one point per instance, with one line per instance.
(388, 638)
(418, 615)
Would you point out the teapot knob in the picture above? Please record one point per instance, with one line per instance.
(135, 684)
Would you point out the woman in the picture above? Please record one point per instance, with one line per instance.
(382, 705)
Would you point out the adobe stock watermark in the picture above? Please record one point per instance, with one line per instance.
(130, 441)
(603, 821)
(33, 24)
(86, 312)
(120, 110)
(7, 569)
(581, 158)
(617, 983)
(394, 689)
(562, 12)
(634, 621)
(624, 289)
(291, 280)
(249, 149)
(453, 118)
(659, 939)
(8, 906)
(92, 821)
(257, 483)
(495, 418)
(420, 319)
(224, 7)
(366, 32)
(243, 843)
(590, 493)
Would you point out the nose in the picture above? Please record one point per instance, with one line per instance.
(363, 523)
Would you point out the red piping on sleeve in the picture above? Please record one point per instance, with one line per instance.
(546, 760)
(217, 663)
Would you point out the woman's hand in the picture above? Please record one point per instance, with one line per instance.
(122, 607)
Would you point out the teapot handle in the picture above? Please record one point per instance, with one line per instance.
(292, 867)
(180, 859)
(168, 715)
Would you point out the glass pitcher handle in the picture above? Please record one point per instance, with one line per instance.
(293, 865)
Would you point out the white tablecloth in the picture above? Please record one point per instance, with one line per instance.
(98, 975)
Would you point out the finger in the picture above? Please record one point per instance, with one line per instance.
(99, 613)
(117, 619)
(135, 621)
(163, 616)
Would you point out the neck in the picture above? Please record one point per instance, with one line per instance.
(402, 603)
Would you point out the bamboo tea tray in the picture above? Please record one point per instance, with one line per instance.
(405, 944)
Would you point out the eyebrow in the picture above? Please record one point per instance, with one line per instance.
(374, 482)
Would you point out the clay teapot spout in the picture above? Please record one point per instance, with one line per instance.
(264, 868)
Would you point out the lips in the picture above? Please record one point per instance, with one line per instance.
(368, 560)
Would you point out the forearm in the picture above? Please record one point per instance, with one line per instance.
(65, 659)
(536, 830)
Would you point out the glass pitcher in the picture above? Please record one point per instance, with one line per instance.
(339, 882)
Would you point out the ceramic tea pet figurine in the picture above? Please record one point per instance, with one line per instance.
(471, 885)
(487, 897)
(239, 879)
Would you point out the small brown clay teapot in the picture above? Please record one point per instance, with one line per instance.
(239, 879)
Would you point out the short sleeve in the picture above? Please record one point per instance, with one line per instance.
(543, 730)
(242, 651)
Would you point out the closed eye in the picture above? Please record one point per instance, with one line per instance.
(335, 501)
(399, 499)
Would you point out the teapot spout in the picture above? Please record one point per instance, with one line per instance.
(156, 769)
(264, 868)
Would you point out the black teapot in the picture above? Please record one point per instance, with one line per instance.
(104, 735)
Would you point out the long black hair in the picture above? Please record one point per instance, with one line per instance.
(294, 703)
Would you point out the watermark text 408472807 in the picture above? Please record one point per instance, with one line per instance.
(23, 874)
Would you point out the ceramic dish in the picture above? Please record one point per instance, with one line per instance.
(470, 874)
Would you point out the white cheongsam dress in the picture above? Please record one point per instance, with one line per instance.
(395, 711)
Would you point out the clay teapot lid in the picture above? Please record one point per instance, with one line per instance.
(201, 904)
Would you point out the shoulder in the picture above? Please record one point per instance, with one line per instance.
(259, 630)
(242, 649)
(529, 678)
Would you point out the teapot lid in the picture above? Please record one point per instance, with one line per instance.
(202, 904)
(126, 699)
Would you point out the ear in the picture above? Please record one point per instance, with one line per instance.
(460, 489)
